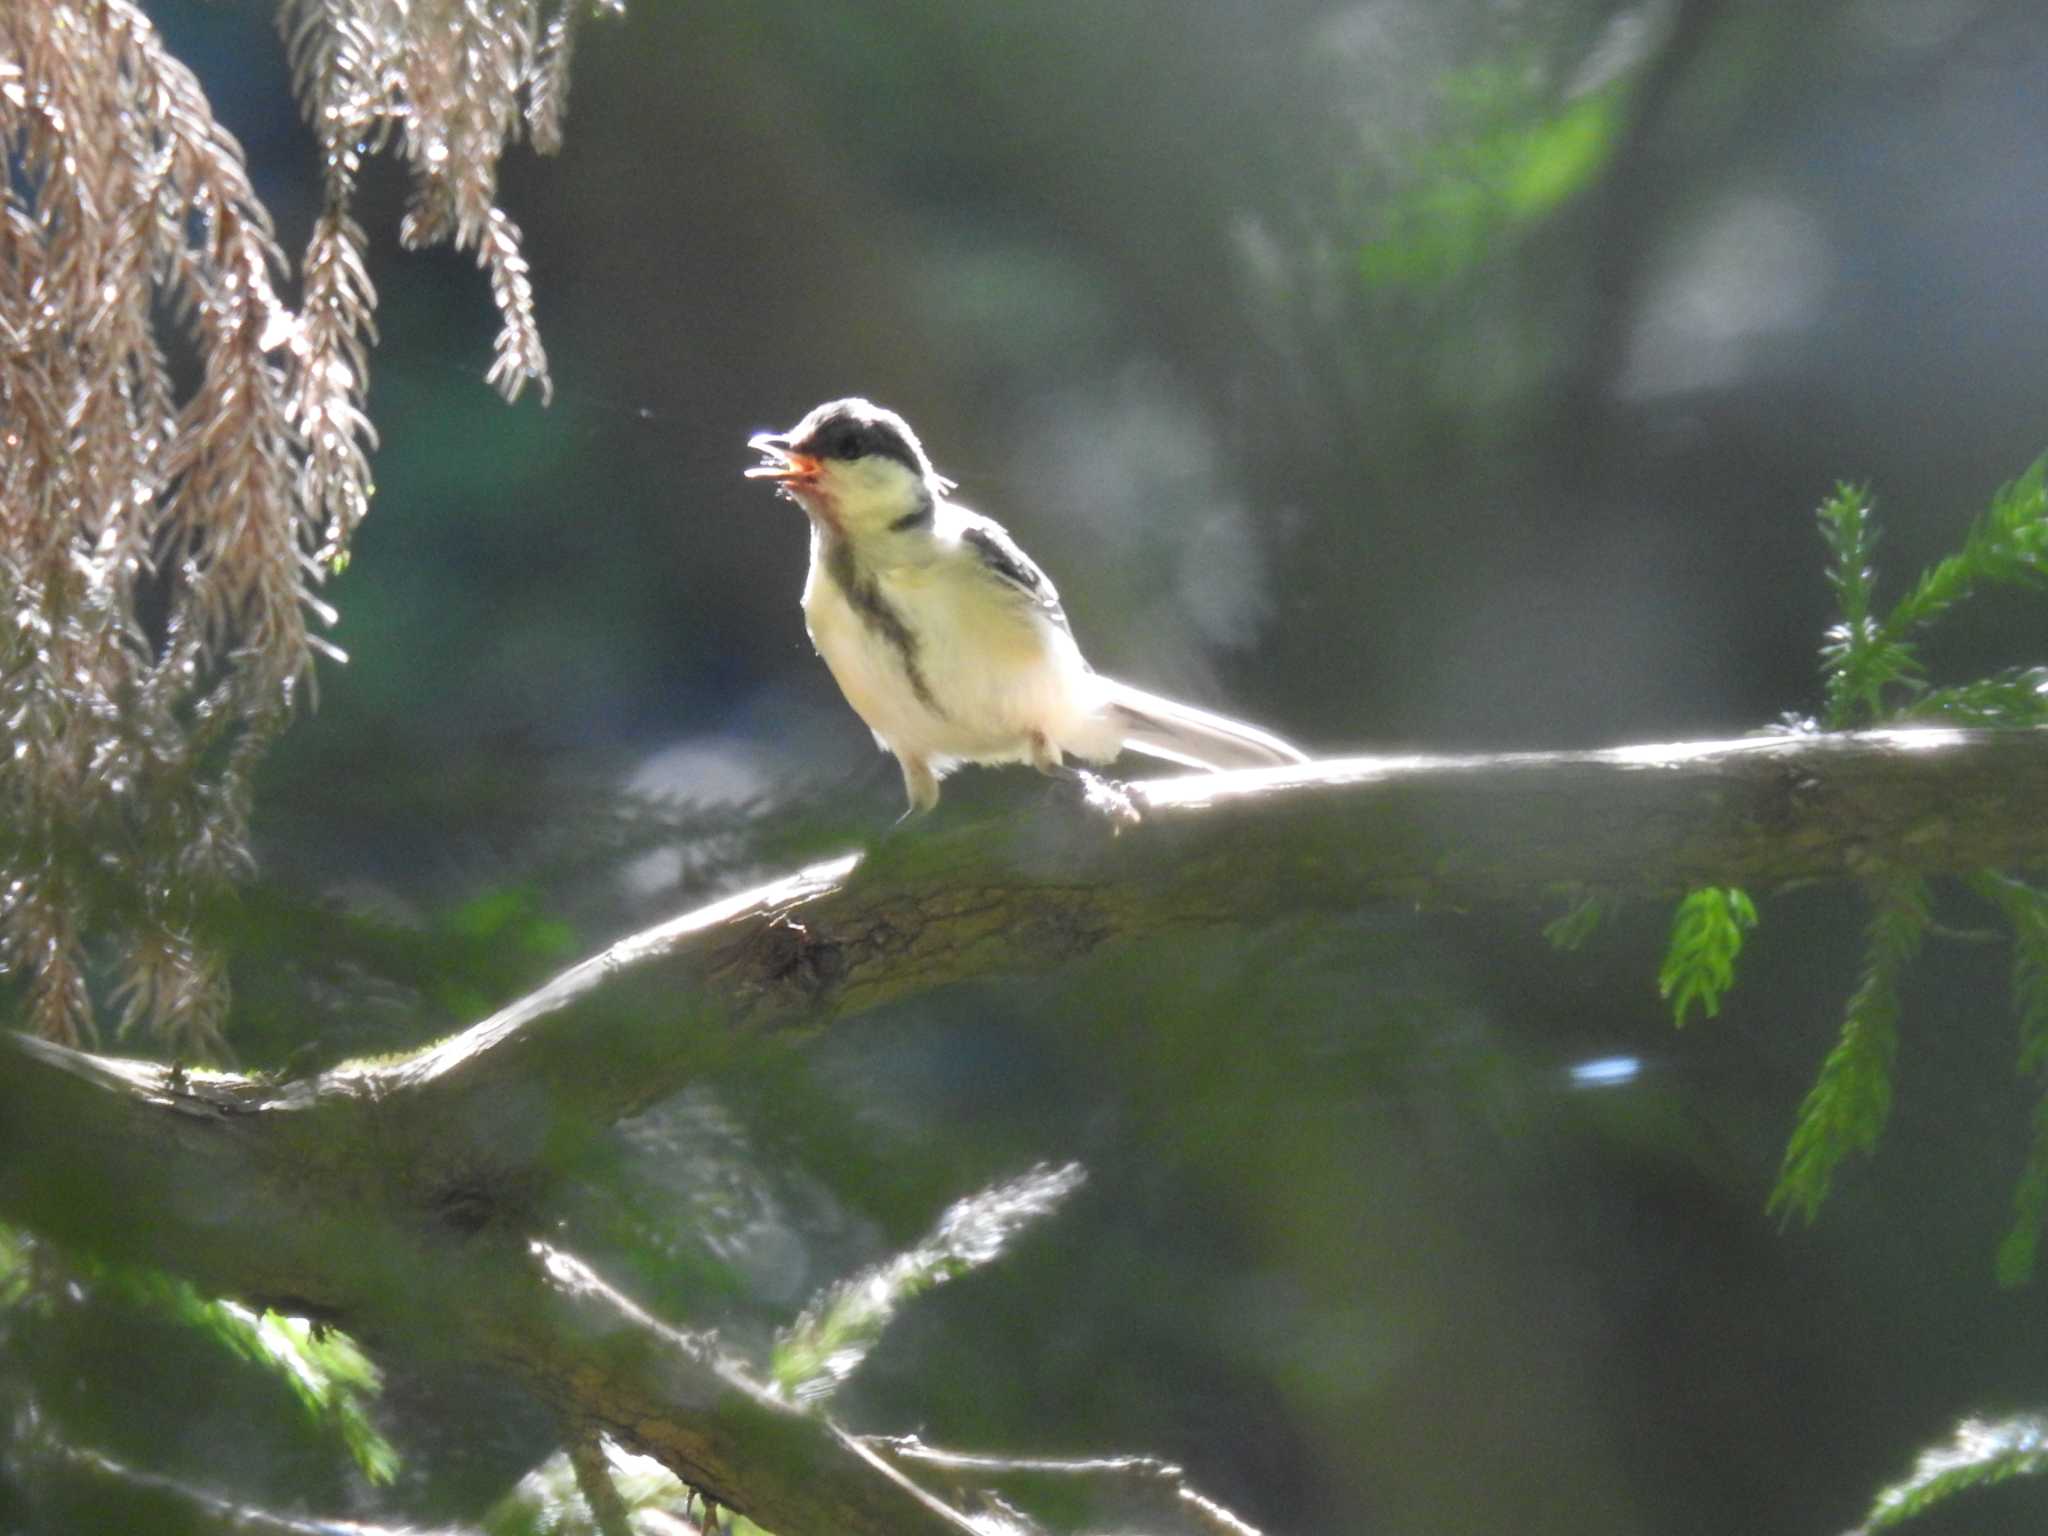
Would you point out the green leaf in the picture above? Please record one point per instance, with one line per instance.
(1706, 938)
(1571, 930)
(494, 912)
(324, 1369)
(1981, 1452)
(1863, 656)
(15, 1248)
(2014, 698)
(837, 1330)
(1860, 662)
(1851, 536)
(1506, 156)
(2021, 1246)
(1859, 658)
(1554, 159)
(2025, 908)
(2007, 546)
(1847, 1107)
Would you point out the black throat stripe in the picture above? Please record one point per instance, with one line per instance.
(879, 615)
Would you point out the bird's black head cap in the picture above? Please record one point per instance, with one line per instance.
(858, 429)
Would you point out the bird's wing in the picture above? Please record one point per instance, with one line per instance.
(1001, 557)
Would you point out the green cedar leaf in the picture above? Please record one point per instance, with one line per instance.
(1847, 1107)
(2007, 546)
(2013, 698)
(825, 1345)
(1859, 658)
(2026, 909)
(1851, 536)
(324, 1369)
(2021, 1245)
(1706, 938)
(1577, 925)
(1505, 156)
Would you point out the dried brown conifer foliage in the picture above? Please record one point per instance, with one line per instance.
(183, 457)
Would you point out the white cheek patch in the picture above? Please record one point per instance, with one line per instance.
(872, 493)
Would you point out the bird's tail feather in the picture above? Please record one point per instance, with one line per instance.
(1194, 738)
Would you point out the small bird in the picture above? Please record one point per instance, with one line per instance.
(944, 636)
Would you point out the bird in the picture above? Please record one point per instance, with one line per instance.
(945, 637)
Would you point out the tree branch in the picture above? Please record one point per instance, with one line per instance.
(205, 1509)
(401, 1200)
(594, 1481)
(1121, 1492)
(1009, 893)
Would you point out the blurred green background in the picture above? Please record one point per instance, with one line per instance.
(1443, 374)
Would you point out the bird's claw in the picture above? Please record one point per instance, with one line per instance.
(1108, 798)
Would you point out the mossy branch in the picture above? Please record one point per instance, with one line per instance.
(401, 1199)
(990, 893)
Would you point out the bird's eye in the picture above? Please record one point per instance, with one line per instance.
(847, 443)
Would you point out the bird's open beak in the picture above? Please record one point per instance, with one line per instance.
(779, 461)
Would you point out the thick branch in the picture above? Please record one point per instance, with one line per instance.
(402, 1199)
(1007, 894)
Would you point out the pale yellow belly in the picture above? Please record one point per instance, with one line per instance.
(996, 675)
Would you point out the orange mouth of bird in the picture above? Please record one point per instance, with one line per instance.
(779, 461)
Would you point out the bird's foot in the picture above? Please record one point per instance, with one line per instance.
(1104, 796)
